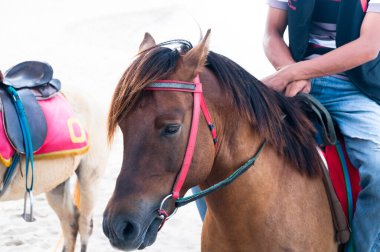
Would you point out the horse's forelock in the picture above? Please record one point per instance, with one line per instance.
(150, 65)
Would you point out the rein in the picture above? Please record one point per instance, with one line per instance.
(194, 87)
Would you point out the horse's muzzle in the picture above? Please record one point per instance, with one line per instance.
(122, 233)
(127, 233)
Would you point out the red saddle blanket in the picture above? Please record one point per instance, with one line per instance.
(337, 176)
(65, 133)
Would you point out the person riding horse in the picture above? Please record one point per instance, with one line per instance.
(336, 46)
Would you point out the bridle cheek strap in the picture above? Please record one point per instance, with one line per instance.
(199, 104)
(210, 124)
(190, 147)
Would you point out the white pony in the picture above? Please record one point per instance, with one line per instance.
(51, 176)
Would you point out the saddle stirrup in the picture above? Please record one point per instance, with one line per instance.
(28, 207)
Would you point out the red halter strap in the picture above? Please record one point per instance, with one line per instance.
(199, 103)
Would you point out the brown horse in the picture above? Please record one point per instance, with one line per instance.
(279, 204)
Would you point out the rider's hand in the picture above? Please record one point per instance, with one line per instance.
(1, 77)
(280, 79)
(275, 81)
(299, 86)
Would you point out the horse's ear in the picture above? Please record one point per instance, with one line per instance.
(148, 42)
(194, 59)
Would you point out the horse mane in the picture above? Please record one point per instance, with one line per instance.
(278, 119)
(281, 120)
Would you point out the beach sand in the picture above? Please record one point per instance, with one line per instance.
(90, 44)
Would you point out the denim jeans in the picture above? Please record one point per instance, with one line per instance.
(201, 203)
(358, 118)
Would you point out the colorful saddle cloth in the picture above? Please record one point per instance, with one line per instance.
(65, 133)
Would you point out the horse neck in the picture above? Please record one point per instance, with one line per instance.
(261, 199)
(238, 141)
(267, 203)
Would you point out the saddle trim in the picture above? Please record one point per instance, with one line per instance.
(6, 162)
(52, 155)
(64, 153)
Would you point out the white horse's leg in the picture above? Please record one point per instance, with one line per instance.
(89, 175)
(60, 199)
(87, 203)
(93, 163)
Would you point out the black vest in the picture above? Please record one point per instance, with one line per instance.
(365, 77)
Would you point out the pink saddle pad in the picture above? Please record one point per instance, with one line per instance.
(65, 133)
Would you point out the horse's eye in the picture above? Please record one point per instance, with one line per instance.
(171, 129)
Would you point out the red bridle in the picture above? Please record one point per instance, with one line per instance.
(199, 104)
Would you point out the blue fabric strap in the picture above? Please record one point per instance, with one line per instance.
(29, 158)
(8, 173)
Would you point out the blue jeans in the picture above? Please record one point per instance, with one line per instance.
(201, 203)
(358, 118)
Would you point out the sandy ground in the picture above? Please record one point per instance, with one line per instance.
(89, 44)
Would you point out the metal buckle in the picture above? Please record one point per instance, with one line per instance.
(162, 216)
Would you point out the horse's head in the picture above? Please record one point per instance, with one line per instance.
(156, 125)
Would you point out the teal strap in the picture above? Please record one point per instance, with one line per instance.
(186, 200)
(350, 203)
(9, 172)
(347, 181)
(26, 135)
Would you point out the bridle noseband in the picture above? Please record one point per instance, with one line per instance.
(194, 87)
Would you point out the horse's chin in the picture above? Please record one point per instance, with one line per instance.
(151, 234)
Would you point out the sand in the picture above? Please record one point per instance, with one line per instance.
(90, 44)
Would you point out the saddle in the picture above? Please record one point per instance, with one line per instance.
(340, 178)
(33, 81)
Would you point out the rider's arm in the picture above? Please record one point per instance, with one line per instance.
(353, 54)
(275, 47)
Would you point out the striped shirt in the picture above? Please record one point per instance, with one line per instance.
(323, 27)
(322, 37)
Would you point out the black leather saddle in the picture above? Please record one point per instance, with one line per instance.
(33, 81)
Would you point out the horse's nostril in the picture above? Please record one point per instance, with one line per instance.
(122, 232)
(128, 230)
